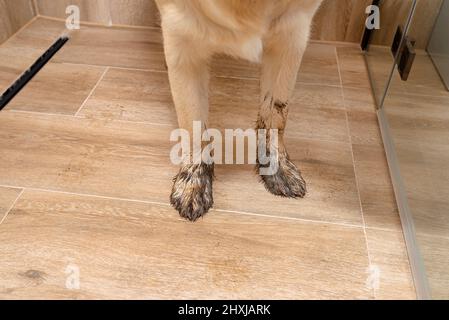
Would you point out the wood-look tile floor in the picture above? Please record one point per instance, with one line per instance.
(85, 180)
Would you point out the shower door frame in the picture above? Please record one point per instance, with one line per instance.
(420, 279)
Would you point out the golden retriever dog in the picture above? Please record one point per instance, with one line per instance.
(272, 32)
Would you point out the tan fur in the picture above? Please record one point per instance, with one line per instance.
(272, 32)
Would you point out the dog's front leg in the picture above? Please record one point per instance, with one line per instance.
(283, 51)
(188, 72)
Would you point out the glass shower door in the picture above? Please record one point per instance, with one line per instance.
(414, 117)
(439, 46)
(379, 56)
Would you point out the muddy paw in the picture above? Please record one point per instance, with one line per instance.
(192, 191)
(286, 182)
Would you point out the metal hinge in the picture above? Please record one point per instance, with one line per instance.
(403, 49)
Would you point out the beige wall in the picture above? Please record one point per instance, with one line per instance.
(343, 20)
(14, 14)
(397, 11)
(340, 20)
(337, 20)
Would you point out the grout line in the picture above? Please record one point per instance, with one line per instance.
(151, 124)
(433, 236)
(297, 82)
(74, 64)
(112, 67)
(212, 75)
(319, 84)
(148, 123)
(139, 69)
(341, 224)
(384, 229)
(12, 205)
(336, 43)
(441, 95)
(102, 25)
(87, 195)
(37, 113)
(92, 91)
(346, 225)
(401, 232)
(355, 171)
(355, 88)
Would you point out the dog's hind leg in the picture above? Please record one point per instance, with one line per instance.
(283, 51)
(188, 72)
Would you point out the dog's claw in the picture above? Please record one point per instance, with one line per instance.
(286, 182)
(192, 191)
